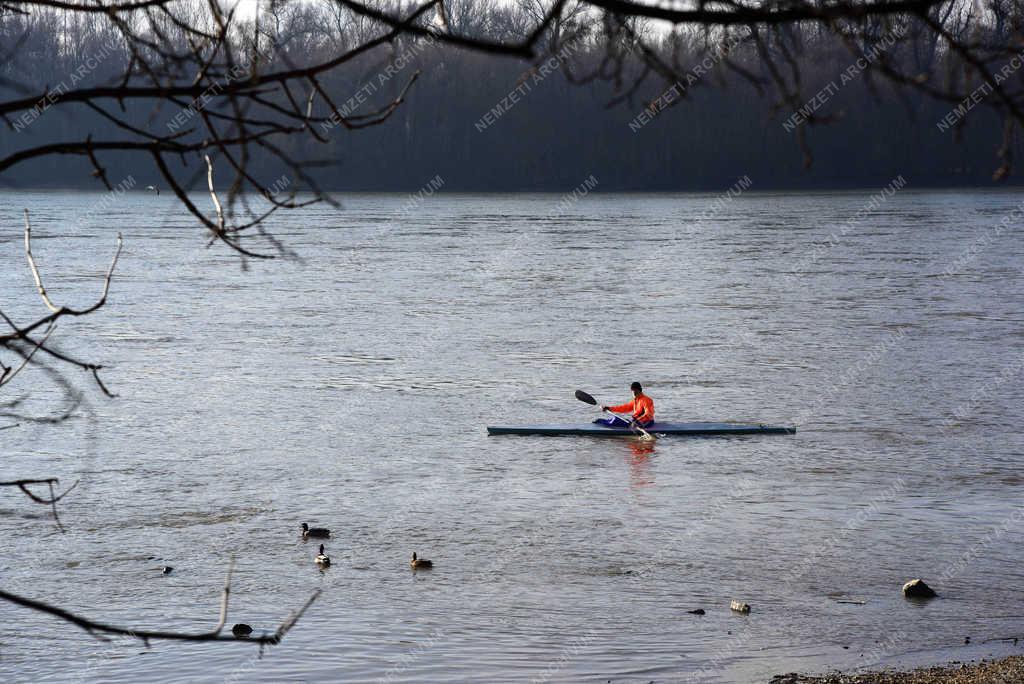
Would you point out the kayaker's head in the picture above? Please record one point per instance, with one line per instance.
(637, 389)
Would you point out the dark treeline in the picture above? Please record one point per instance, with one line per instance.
(482, 122)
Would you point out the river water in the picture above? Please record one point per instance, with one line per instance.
(351, 389)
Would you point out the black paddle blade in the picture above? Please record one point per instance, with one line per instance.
(586, 398)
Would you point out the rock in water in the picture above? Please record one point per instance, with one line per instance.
(740, 607)
(916, 588)
(241, 630)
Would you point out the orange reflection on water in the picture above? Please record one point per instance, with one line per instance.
(639, 458)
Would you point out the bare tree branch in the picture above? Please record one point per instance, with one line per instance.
(51, 500)
(23, 334)
(99, 629)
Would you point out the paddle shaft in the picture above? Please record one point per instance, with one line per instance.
(628, 419)
(632, 422)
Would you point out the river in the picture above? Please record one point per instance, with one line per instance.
(350, 388)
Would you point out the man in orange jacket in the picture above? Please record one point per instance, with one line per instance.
(641, 408)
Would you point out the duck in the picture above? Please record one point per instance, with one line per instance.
(418, 563)
(241, 630)
(322, 560)
(314, 532)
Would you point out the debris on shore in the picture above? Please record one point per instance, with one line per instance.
(1009, 669)
(740, 607)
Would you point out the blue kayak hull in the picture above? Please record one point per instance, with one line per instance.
(597, 430)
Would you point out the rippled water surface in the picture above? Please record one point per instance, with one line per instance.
(352, 389)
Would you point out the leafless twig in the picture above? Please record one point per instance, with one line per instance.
(99, 629)
(24, 334)
(51, 500)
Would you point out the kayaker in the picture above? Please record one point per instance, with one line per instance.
(641, 408)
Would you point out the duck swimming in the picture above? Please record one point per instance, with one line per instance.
(314, 532)
(322, 560)
(419, 563)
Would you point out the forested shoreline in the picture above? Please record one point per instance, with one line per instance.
(543, 131)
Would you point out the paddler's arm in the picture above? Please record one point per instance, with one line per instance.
(621, 408)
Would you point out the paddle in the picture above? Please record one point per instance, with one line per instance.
(587, 399)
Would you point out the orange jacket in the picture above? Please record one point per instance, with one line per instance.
(641, 407)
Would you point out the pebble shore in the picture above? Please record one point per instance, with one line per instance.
(1001, 671)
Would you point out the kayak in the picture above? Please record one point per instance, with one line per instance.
(599, 430)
